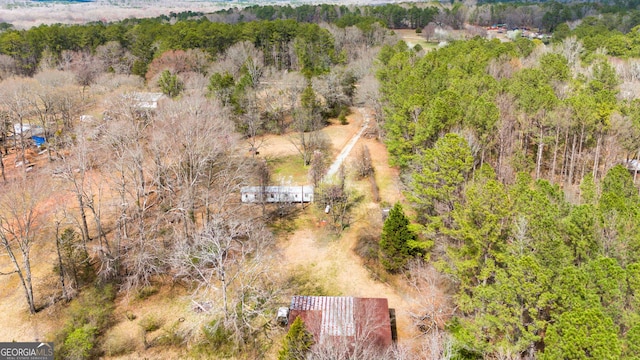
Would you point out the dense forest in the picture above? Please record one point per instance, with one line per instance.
(524, 201)
(515, 160)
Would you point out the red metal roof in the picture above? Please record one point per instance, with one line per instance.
(328, 317)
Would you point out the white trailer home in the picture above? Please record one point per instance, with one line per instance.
(277, 194)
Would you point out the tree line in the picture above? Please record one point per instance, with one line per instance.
(136, 42)
(133, 45)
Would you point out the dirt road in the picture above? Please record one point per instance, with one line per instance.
(333, 169)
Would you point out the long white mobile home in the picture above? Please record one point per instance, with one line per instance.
(277, 194)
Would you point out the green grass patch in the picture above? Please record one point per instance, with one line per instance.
(304, 281)
(288, 168)
(429, 45)
(385, 184)
(217, 341)
(284, 219)
(171, 336)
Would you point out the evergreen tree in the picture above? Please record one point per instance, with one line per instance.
(395, 241)
(297, 342)
(618, 209)
(170, 84)
(480, 231)
(632, 340)
(441, 171)
(582, 334)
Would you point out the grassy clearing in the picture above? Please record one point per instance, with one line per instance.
(289, 168)
(385, 184)
(305, 280)
(412, 38)
(146, 292)
(285, 219)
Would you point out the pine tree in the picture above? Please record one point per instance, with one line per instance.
(297, 342)
(395, 248)
(441, 172)
(582, 334)
(170, 84)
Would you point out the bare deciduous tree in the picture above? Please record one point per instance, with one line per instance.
(318, 167)
(178, 62)
(190, 141)
(337, 89)
(20, 223)
(55, 103)
(76, 169)
(243, 57)
(115, 58)
(15, 97)
(86, 68)
(369, 94)
(74, 265)
(431, 308)
(571, 48)
(229, 257)
(7, 67)
(307, 122)
(362, 163)
(279, 98)
(429, 31)
(338, 200)
(252, 123)
(123, 138)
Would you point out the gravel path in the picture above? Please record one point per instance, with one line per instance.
(333, 169)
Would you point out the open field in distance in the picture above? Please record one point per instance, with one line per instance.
(26, 13)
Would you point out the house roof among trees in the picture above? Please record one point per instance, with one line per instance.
(331, 318)
(146, 100)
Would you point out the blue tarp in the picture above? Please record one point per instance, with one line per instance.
(38, 140)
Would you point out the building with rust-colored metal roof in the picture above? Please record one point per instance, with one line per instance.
(344, 318)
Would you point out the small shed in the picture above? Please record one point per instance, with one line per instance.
(340, 318)
(146, 100)
(277, 194)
